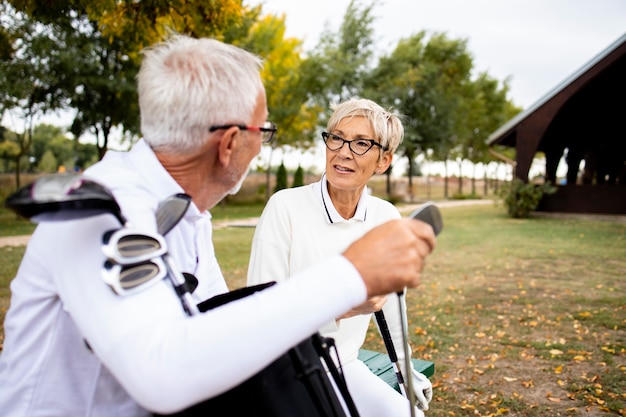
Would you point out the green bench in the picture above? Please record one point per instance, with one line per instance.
(380, 364)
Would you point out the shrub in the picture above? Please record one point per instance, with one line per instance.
(281, 178)
(521, 198)
(298, 177)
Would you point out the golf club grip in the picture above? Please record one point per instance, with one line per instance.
(384, 330)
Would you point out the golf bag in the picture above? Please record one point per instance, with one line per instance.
(295, 384)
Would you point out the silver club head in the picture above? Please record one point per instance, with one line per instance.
(171, 211)
(429, 213)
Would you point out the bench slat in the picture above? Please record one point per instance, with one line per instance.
(380, 364)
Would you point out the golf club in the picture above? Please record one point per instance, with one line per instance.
(61, 197)
(391, 350)
(129, 279)
(169, 212)
(127, 246)
(428, 213)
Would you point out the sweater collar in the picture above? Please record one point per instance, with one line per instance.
(332, 216)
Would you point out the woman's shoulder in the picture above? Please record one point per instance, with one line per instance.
(295, 193)
(383, 206)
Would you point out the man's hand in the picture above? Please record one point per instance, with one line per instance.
(391, 256)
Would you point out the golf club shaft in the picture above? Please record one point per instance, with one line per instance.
(180, 285)
(391, 350)
(405, 341)
(168, 214)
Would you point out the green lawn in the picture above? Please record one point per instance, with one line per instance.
(522, 317)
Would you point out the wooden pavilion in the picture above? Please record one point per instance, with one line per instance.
(582, 119)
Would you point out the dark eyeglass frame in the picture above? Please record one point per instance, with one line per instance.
(372, 142)
(268, 130)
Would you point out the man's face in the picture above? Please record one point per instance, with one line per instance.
(253, 146)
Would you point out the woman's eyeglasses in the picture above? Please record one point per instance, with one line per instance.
(357, 146)
(267, 130)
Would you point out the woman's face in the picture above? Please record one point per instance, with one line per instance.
(346, 170)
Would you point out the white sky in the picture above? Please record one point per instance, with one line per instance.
(537, 43)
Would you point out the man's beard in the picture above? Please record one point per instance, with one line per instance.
(235, 189)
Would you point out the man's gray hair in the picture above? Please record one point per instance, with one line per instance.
(185, 85)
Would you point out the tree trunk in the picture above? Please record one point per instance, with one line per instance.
(473, 179)
(460, 188)
(388, 173)
(445, 182)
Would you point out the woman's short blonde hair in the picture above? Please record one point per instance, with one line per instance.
(386, 125)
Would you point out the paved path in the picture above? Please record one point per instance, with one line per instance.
(14, 240)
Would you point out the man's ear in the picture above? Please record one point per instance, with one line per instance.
(228, 145)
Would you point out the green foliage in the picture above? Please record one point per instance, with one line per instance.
(521, 198)
(11, 224)
(338, 65)
(9, 150)
(298, 177)
(48, 162)
(281, 178)
(466, 196)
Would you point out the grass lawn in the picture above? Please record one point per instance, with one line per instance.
(522, 317)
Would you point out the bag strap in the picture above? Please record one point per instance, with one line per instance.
(323, 345)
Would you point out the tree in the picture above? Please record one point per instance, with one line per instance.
(47, 163)
(286, 96)
(281, 178)
(27, 76)
(99, 45)
(338, 66)
(100, 81)
(298, 177)
(142, 23)
(419, 78)
(67, 152)
(487, 108)
(9, 151)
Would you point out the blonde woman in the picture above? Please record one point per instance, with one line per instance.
(301, 226)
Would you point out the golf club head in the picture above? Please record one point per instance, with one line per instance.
(171, 211)
(429, 213)
(61, 197)
(127, 246)
(133, 278)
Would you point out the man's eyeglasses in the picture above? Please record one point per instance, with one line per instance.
(357, 146)
(267, 130)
